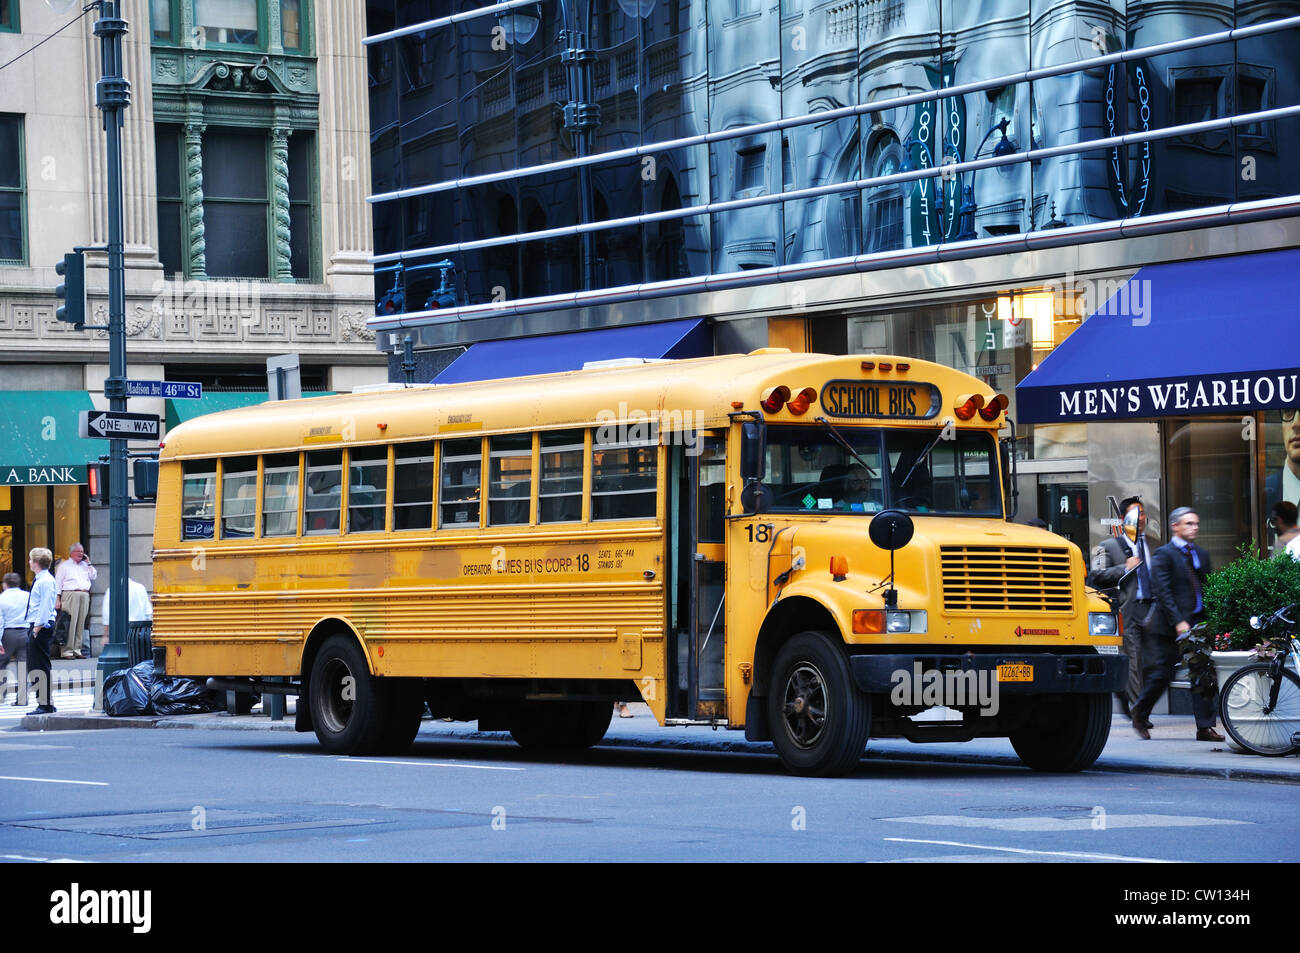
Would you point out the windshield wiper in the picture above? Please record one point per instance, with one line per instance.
(921, 458)
(845, 445)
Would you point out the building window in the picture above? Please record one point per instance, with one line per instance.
(291, 32)
(751, 170)
(9, 16)
(885, 202)
(238, 218)
(1196, 100)
(160, 18)
(236, 204)
(171, 202)
(12, 188)
(228, 22)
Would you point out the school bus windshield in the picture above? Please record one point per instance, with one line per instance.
(810, 471)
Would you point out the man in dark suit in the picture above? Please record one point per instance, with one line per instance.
(1123, 562)
(1178, 571)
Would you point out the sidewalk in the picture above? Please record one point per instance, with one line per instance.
(1171, 750)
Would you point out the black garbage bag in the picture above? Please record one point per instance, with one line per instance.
(126, 691)
(181, 696)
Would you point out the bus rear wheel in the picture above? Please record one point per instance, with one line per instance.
(819, 719)
(353, 712)
(560, 724)
(1067, 734)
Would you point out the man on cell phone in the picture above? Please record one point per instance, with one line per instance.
(73, 579)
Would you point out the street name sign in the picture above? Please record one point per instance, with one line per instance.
(171, 390)
(120, 426)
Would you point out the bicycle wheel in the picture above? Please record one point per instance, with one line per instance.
(1241, 705)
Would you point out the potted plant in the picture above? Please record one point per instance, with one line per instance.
(1250, 585)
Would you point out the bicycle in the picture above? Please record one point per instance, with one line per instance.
(1260, 702)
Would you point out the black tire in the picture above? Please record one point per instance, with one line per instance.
(349, 706)
(819, 719)
(560, 724)
(405, 710)
(1067, 734)
(1241, 706)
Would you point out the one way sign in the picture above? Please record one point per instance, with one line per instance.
(120, 426)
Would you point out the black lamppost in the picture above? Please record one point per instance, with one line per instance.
(966, 215)
(910, 186)
(581, 117)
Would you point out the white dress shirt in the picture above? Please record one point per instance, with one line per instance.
(75, 576)
(138, 606)
(13, 608)
(40, 601)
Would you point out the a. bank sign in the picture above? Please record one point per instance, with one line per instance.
(41, 476)
(1164, 397)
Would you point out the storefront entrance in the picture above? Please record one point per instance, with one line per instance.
(32, 516)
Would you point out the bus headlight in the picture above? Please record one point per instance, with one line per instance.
(903, 621)
(1102, 623)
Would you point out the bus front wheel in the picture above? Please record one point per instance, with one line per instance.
(353, 712)
(819, 719)
(1065, 734)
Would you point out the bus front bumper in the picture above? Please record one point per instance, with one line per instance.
(1045, 672)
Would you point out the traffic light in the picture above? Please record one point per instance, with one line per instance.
(146, 478)
(97, 483)
(73, 289)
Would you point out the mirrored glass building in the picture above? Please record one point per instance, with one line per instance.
(965, 181)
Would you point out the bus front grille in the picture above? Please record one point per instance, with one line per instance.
(1006, 579)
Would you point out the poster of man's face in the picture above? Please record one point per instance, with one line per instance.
(1282, 458)
(1291, 440)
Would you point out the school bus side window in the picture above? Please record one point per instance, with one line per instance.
(511, 482)
(198, 498)
(280, 494)
(460, 486)
(623, 477)
(559, 490)
(238, 497)
(324, 492)
(413, 486)
(367, 489)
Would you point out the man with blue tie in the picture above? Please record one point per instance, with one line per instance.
(1121, 562)
(1178, 571)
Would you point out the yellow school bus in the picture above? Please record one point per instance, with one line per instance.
(815, 549)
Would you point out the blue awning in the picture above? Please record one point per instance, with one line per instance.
(1214, 336)
(520, 357)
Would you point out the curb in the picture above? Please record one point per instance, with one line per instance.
(58, 722)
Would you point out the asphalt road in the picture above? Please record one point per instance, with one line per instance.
(197, 796)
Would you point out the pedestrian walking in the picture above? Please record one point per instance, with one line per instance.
(1178, 571)
(1122, 562)
(73, 580)
(40, 618)
(13, 642)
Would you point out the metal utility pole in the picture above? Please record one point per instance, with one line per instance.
(112, 96)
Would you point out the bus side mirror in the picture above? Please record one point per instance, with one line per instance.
(753, 452)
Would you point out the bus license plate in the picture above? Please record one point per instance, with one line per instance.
(1015, 672)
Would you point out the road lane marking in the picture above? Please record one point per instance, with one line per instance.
(43, 860)
(428, 764)
(1083, 823)
(98, 784)
(1025, 850)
